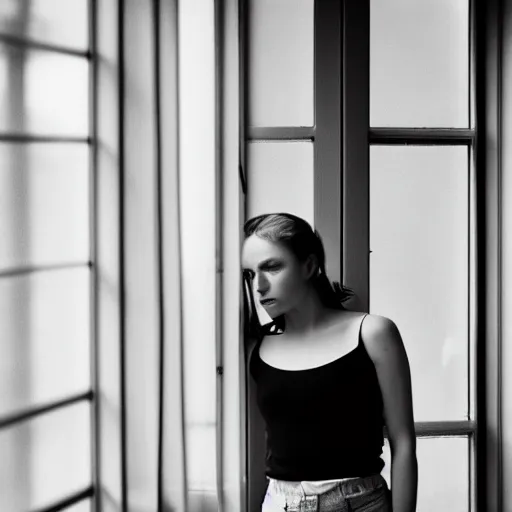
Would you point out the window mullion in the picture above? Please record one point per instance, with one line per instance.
(69, 501)
(28, 414)
(282, 133)
(30, 43)
(418, 136)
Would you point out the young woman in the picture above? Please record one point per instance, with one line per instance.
(328, 380)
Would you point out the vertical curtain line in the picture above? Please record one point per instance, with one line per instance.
(122, 269)
(170, 418)
(93, 258)
(219, 38)
(161, 295)
(172, 468)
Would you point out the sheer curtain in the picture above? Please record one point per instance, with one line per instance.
(169, 214)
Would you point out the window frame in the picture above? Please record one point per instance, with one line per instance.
(483, 427)
(326, 136)
(36, 411)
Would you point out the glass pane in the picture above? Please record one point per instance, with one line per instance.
(443, 473)
(280, 64)
(43, 93)
(48, 21)
(44, 203)
(274, 169)
(46, 458)
(44, 353)
(419, 267)
(419, 63)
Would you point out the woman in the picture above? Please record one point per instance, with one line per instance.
(327, 379)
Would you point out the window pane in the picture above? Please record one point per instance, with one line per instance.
(419, 57)
(45, 459)
(44, 203)
(419, 268)
(274, 169)
(44, 353)
(443, 473)
(43, 93)
(281, 50)
(48, 21)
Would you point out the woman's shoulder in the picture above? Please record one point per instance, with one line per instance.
(380, 336)
(377, 324)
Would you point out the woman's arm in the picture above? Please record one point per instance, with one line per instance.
(385, 347)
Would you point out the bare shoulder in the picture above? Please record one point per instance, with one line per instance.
(381, 337)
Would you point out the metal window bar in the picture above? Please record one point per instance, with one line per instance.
(417, 136)
(33, 412)
(72, 499)
(31, 269)
(473, 263)
(355, 152)
(29, 138)
(443, 428)
(38, 45)
(281, 133)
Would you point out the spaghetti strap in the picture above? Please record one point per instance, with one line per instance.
(360, 339)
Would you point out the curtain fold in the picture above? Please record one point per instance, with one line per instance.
(169, 209)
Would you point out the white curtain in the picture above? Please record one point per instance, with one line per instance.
(168, 240)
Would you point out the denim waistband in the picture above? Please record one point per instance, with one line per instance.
(347, 486)
(291, 496)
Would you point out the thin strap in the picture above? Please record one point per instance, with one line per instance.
(360, 340)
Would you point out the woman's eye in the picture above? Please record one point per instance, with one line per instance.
(274, 268)
(248, 274)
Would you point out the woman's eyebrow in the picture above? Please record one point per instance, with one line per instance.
(264, 263)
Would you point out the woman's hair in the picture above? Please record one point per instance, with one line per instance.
(298, 236)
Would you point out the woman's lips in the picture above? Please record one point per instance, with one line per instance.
(267, 302)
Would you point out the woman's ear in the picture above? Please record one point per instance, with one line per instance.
(311, 266)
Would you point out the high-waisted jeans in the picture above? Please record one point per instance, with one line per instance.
(369, 494)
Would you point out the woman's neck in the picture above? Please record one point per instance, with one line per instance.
(307, 317)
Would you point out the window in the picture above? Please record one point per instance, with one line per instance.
(407, 192)
(45, 255)
(423, 226)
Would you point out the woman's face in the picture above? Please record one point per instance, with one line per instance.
(279, 279)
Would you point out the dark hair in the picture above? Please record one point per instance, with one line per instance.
(298, 236)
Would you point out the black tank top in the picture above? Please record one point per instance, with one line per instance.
(322, 423)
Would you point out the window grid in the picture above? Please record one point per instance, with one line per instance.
(27, 414)
(451, 137)
(33, 44)
(468, 427)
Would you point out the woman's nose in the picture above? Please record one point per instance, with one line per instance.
(262, 284)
